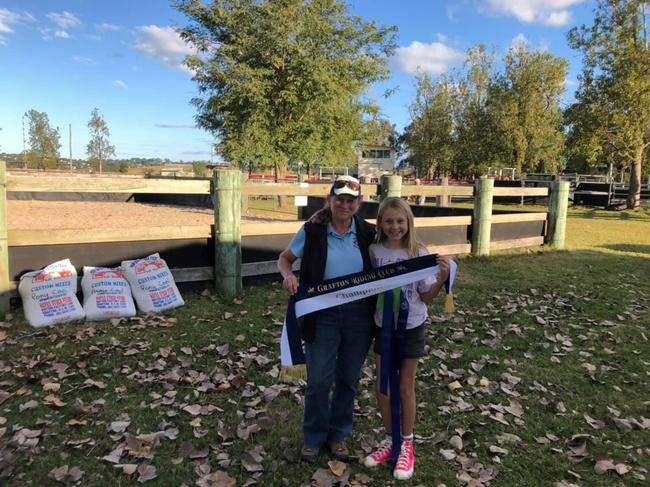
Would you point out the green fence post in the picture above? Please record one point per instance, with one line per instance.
(4, 248)
(226, 191)
(244, 196)
(557, 211)
(482, 218)
(390, 186)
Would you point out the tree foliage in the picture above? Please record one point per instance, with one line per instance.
(462, 124)
(281, 81)
(610, 120)
(476, 144)
(44, 141)
(430, 136)
(99, 147)
(524, 104)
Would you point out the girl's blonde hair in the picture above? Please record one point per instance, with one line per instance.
(409, 241)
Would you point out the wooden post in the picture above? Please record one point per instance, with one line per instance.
(226, 190)
(442, 201)
(482, 219)
(4, 248)
(244, 197)
(390, 186)
(365, 180)
(557, 212)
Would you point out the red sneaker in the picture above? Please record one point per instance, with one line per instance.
(405, 462)
(380, 455)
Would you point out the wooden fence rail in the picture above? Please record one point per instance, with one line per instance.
(227, 190)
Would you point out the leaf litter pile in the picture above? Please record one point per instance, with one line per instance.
(536, 380)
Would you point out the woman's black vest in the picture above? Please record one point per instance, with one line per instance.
(312, 266)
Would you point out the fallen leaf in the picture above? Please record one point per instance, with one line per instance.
(28, 405)
(336, 467)
(119, 426)
(127, 468)
(54, 400)
(602, 466)
(456, 442)
(51, 387)
(594, 423)
(147, 472)
(66, 474)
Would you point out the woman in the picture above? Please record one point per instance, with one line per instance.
(334, 242)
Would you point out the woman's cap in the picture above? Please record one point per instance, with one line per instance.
(346, 185)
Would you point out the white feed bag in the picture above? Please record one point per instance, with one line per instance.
(107, 293)
(152, 284)
(49, 295)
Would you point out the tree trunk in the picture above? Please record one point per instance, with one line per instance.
(634, 191)
(280, 170)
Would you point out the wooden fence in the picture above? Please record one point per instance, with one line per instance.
(22, 250)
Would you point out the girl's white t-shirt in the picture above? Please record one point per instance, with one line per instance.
(379, 256)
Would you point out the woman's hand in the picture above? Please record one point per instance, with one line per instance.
(290, 283)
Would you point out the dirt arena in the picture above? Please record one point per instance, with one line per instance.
(26, 215)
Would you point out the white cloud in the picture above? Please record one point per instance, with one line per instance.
(106, 26)
(7, 19)
(553, 13)
(558, 19)
(83, 60)
(164, 45)
(65, 19)
(520, 40)
(120, 84)
(433, 58)
(62, 34)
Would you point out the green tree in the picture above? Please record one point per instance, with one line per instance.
(44, 141)
(123, 168)
(281, 81)
(610, 121)
(199, 167)
(476, 146)
(524, 107)
(99, 147)
(429, 138)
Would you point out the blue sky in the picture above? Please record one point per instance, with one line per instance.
(65, 57)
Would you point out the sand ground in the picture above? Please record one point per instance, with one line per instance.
(44, 215)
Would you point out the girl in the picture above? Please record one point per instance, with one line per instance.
(396, 241)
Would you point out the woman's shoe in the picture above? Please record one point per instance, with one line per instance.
(309, 455)
(339, 451)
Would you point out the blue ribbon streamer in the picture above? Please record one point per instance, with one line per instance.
(392, 344)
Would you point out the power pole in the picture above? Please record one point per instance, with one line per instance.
(70, 144)
(24, 149)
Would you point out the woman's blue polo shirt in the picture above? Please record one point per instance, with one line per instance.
(343, 254)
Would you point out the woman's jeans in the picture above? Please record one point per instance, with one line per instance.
(335, 356)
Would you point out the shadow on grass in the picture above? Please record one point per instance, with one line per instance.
(601, 214)
(635, 248)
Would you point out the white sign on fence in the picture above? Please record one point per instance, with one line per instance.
(301, 200)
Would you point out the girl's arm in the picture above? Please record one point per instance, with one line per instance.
(427, 297)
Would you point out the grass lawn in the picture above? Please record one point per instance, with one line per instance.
(551, 350)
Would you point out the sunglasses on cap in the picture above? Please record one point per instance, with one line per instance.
(342, 183)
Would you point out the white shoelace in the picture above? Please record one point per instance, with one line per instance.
(402, 460)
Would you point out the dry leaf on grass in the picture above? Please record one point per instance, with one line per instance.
(336, 467)
(54, 400)
(594, 423)
(66, 474)
(127, 468)
(146, 472)
(119, 426)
